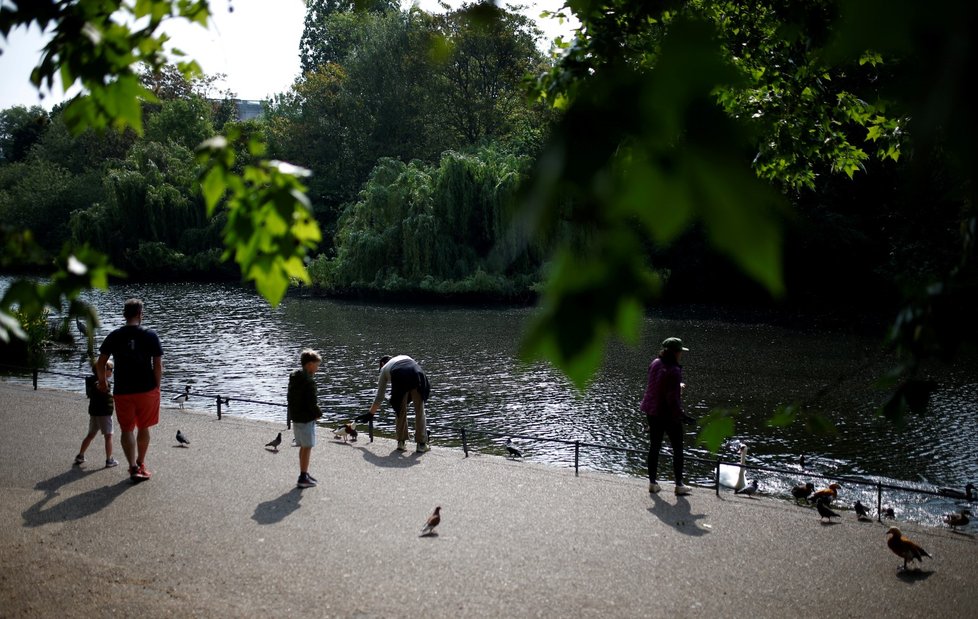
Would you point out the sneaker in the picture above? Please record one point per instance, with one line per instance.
(314, 480)
(79, 459)
(133, 470)
(682, 490)
(423, 447)
(401, 446)
(111, 462)
(654, 487)
(305, 481)
(142, 473)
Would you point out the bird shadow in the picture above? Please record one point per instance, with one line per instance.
(913, 575)
(826, 523)
(73, 508)
(180, 446)
(431, 534)
(394, 459)
(677, 516)
(279, 508)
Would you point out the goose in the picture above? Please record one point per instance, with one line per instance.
(732, 476)
(957, 520)
(968, 494)
(904, 547)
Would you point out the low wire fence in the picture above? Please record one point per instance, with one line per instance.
(465, 436)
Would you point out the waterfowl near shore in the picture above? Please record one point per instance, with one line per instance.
(732, 476)
(803, 491)
(968, 494)
(828, 494)
(957, 520)
(903, 547)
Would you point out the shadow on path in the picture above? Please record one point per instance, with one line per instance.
(677, 516)
(395, 459)
(72, 508)
(278, 509)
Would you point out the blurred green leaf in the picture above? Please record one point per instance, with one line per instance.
(716, 427)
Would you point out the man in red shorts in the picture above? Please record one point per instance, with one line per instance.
(138, 357)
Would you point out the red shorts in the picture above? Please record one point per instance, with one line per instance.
(137, 410)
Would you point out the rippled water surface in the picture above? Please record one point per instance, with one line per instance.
(224, 340)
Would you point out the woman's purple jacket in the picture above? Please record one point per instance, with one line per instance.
(663, 394)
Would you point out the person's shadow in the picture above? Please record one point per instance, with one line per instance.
(72, 508)
(677, 516)
(279, 508)
(395, 459)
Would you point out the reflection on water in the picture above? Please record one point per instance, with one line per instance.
(221, 339)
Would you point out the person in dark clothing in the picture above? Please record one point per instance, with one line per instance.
(408, 381)
(138, 357)
(303, 411)
(663, 407)
(100, 411)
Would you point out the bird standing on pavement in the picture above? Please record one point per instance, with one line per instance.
(826, 493)
(433, 520)
(275, 442)
(512, 450)
(347, 429)
(803, 491)
(957, 520)
(183, 397)
(889, 513)
(903, 547)
(750, 490)
(862, 512)
(824, 511)
(182, 439)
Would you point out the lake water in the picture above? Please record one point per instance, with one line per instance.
(224, 340)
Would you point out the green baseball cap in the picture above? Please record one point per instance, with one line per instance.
(674, 344)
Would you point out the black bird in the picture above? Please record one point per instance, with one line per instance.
(513, 451)
(275, 442)
(824, 511)
(801, 461)
(750, 489)
(968, 494)
(862, 512)
(364, 418)
(803, 491)
(888, 513)
(182, 439)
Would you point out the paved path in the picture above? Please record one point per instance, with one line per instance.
(221, 531)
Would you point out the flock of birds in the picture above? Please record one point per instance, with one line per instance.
(732, 476)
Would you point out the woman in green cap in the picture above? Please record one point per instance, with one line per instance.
(663, 405)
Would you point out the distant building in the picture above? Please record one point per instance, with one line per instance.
(245, 109)
(248, 109)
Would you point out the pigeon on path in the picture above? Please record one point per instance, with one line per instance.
(183, 397)
(903, 547)
(750, 489)
(824, 511)
(275, 442)
(181, 439)
(433, 520)
(862, 512)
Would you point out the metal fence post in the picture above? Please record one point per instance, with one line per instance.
(35, 379)
(465, 445)
(577, 456)
(218, 407)
(879, 501)
(717, 479)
